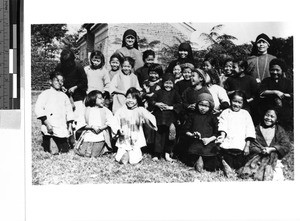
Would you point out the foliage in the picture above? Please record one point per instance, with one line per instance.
(40, 74)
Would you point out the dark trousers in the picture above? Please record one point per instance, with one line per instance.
(61, 144)
(210, 163)
(162, 144)
(235, 158)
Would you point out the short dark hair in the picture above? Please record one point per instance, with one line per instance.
(54, 74)
(130, 60)
(135, 93)
(148, 53)
(90, 100)
(157, 68)
(117, 56)
(97, 53)
(280, 62)
(242, 63)
(240, 94)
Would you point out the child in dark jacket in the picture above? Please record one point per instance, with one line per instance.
(143, 72)
(167, 104)
(201, 129)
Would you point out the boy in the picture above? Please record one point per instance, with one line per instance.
(54, 109)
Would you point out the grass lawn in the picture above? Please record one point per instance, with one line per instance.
(70, 168)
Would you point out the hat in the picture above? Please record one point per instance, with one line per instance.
(200, 73)
(280, 62)
(206, 97)
(263, 37)
(168, 77)
(187, 65)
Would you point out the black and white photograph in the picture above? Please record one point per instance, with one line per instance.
(161, 110)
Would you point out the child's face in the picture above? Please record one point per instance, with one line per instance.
(187, 73)
(168, 85)
(207, 66)
(99, 100)
(177, 72)
(196, 79)
(203, 107)
(270, 118)
(262, 47)
(153, 76)
(228, 68)
(96, 60)
(131, 101)
(57, 82)
(236, 103)
(276, 72)
(126, 68)
(236, 69)
(183, 54)
(129, 40)
(149, 60)
(115, 64)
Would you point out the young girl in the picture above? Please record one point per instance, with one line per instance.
(96, 139)
(121, 82)
(130, 48)
(115, 62)
(237, 130)
(130, 119)
(201, 129)
(270, 146)
(97, 75)
(227, 71)
(208, 66)
(187, 69)
(167, 104)
(177, 72)
(54, 109)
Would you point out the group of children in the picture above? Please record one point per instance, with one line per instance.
(196, 115)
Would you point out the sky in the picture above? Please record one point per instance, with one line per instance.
(245, 32)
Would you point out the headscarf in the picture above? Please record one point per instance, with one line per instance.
(132, 33)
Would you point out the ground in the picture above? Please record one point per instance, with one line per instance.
(70, 168)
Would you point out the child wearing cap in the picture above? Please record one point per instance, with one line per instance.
(258, 64)
(130, 48)
(201, 129)
(187, 69)
(167, 103)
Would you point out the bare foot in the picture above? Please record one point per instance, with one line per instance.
(168, 158)
(155, 159)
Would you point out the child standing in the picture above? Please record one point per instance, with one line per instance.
(130, 119)
(115, 62)
(121, 82)
(97, 75)
(96, 139)
(167, 104)
(228, 67)
(177, 72)
(240, 81)
(201, 129)
(237, 130)
(208, 66)
(187, 69)
(143, 72)
(54, 109)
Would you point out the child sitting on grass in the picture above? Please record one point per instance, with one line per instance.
(130, 119)
(201, 129)
(95, 139)
(237, 130)
(54, 109)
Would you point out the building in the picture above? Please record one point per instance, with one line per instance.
(156, 36)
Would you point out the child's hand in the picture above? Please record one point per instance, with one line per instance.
(246, 150)
(63, 89)
(146, 88)
(268, 150)
(72, 89)
(161, 106)
(220, 139)
(197, 135)
(189, 134)
(49, 128)
(206, 141)
(192, 106)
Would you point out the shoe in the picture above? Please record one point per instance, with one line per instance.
(125, 158)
